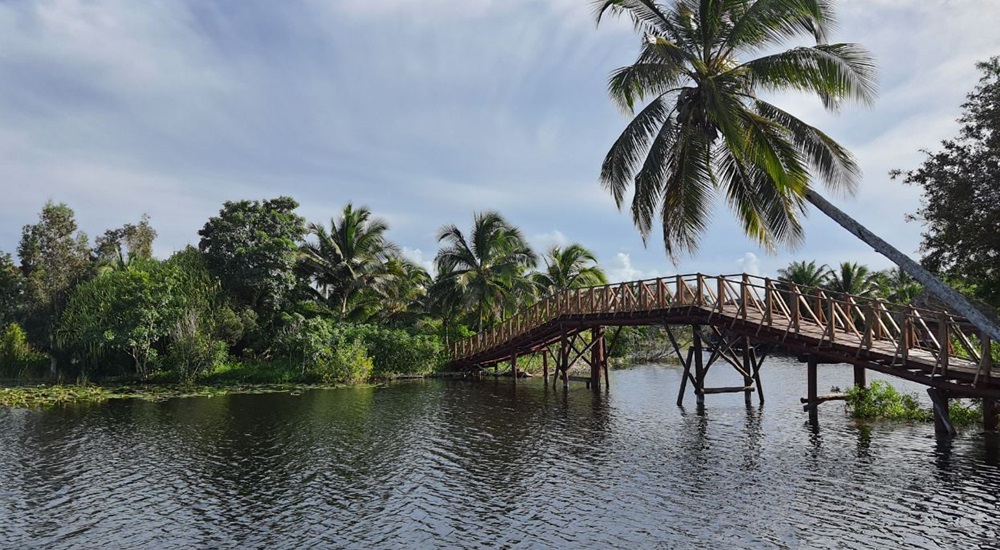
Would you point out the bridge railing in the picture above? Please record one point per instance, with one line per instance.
(829, 317)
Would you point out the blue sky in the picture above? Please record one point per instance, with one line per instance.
(425, 111)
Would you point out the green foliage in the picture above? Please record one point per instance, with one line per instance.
(251, 246)
(324, 350)
(17, 359)
(395, 351)
(708, 129)
(12, 288)
(804, 273)
(964, 414)
(54, 258)
(486, 273)
(961, 198)
(882, 401)
(348, 260)
(569, 267)
(118, 247)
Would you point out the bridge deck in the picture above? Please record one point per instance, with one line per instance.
(927, 346)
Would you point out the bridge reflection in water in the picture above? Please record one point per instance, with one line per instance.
(736, 320)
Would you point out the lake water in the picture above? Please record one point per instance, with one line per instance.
(493, 464)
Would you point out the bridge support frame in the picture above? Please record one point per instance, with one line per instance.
(942, 420)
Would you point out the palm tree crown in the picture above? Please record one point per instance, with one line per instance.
(571, 267)
(804, 273)
(854, 279)
(351, 256)
(489, 268)
(705, 131)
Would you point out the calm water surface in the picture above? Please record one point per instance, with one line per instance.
(487, 464)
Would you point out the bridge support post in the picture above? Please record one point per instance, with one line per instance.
(860, 378)
(813, 390)
(597, 359)
(564, 359)
(699, 367)
(545, 366)
(942, 420)
(747, 371)
(991, 415)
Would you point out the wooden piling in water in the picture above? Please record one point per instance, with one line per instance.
(699, 367)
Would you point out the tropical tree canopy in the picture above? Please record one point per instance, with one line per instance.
(961, 194)
(489, 267)
(803, 273)
(571, 267)
(854, 279)
(348, 258)
(705, 131)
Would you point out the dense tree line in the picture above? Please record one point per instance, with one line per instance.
(265, 295)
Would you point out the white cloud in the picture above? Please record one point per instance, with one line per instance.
(622, 270)
(749, 264)
(417, 256)
(544, 241)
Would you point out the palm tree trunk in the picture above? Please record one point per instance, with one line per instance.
(943, 292)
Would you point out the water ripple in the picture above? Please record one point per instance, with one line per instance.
(491, 465)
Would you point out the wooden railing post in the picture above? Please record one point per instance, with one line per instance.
(797, 296)
(944, 341)
(768, 303)
(699, 299)
(745, 294)
(721, 281)
(660, 287)
(904, 338)
(831, 319)
(680, 290)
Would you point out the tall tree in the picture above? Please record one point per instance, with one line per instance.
(118, 247)
(252, 247)
(490, 266)
(11, 290)
(805, 273)
(569, 267)
(961, 193)
(54, 258)
(348, 258)
(706, 130)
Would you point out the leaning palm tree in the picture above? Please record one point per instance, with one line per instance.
(571, 267)
(803, 273)
(706, 131)
(490, 266)
(348, 258)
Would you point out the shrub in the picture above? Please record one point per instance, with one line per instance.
(17, 359)
(394, 351)
(882, 401)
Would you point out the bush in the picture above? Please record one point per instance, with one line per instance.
(394, 351)
(17, 359)
(881, 401)
(348, 362)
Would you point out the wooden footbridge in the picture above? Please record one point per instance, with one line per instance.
(737, 320)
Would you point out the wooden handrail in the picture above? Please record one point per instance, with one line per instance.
(780, 305)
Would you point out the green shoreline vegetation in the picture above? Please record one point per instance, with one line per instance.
(267, 302)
